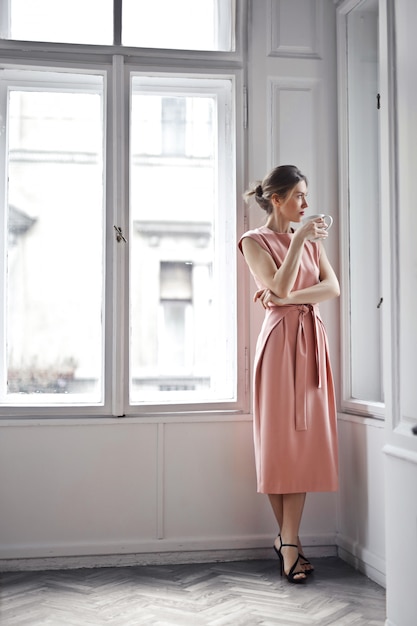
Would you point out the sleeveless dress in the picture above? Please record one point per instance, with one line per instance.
(294, 409)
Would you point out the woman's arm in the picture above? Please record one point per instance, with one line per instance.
(327, 288)
(281, 280)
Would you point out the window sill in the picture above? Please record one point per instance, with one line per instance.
(374, 422)
(178, 418)
(372, 410)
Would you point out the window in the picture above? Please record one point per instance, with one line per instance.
(160, 24)
(119, 195)
(183, 24)
(180, 220)
(66, 21)
(362, 298)
(53, 257)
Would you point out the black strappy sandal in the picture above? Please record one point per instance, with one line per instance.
(304, 561)
(291, 576)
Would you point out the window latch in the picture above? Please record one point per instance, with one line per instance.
(119, 234)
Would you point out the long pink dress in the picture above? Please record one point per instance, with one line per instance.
(295, 429)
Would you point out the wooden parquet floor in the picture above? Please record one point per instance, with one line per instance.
(244, 593)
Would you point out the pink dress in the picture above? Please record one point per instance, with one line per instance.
(295, 428)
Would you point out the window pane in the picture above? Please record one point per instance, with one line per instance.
(183, 311)
(54, 270)
(62, 21)
(364, 210)
(183, 24)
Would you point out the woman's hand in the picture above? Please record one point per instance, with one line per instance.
(312, 229)
(268, 298)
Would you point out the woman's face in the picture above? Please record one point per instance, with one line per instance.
(294, 205)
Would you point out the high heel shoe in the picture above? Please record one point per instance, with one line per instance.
(304, 561)
(291, 576)
(278, 551)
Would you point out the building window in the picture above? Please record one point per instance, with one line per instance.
(176, 323)
(173, 125)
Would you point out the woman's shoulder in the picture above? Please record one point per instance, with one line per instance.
(255, 233)
(261, 231)
(265, 234)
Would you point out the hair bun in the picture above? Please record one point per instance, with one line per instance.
(259, 191)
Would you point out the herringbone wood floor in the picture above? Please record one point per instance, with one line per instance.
(248, 593)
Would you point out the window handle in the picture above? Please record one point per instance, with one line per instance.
(119, 234)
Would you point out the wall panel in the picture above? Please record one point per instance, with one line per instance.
(210, 487)
(77, 488)
(295, 28)
(293, 122)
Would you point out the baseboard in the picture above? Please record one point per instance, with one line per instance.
(166, 554)
(361, 559)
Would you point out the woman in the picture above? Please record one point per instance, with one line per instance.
(295, 436)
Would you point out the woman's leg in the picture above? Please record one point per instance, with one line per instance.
(288, 510)
(293, 506)
(276, 502)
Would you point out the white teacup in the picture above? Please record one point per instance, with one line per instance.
(328, 220)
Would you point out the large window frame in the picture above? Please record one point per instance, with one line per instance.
(117, 64)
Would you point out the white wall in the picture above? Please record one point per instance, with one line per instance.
(293, 119)
(123, 487)
(361, 501)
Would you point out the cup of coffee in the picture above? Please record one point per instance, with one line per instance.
(328, 220)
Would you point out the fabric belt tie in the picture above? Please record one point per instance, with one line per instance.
(301, 361)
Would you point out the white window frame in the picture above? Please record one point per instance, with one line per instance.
(115, 63)
(41, 79)
(349, 404)
(226, 168)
